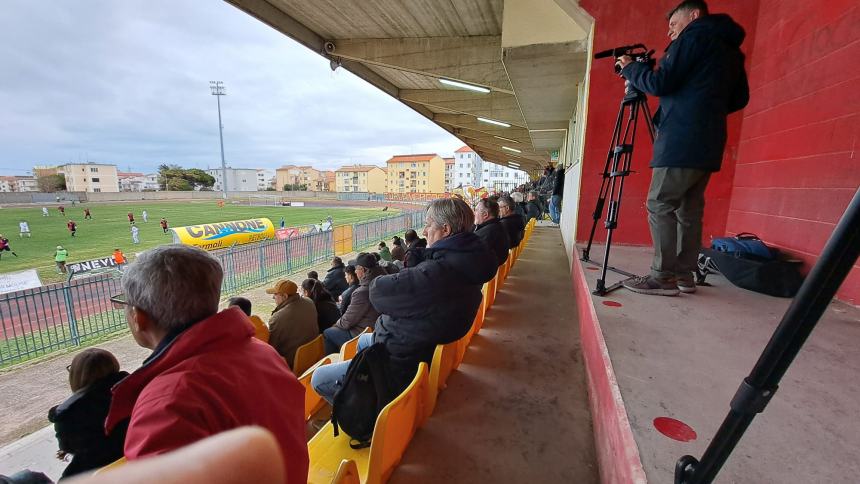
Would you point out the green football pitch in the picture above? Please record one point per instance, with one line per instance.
(109, 228)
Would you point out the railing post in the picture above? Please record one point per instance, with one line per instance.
(70, 310)
(287, 244)
(262, 258)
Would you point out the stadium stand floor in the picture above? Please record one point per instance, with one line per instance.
(516, 410)
(684, 357)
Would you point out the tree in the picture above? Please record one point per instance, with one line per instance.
(51, 183)
(174, 177)
(295, 187)
(199, 178)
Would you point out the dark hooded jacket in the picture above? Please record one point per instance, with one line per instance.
(431, 303)
(533, 210)
(515, 226)
(360, 313)
(495, 237)
(79, 424)
(409, 259)
(700, 80)
(335, 281)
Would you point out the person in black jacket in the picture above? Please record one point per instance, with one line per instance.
(335, 280)
(700, 80)
(327, 311)
(533, 207)
(79, 421)
(346, 296)
(431, 303)
(490, 230)
(511, 221)
(413, 243)
(557, 193)
(360, 314)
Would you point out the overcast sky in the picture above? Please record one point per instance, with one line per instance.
(127, 82)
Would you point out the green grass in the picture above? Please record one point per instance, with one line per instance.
(109, 228)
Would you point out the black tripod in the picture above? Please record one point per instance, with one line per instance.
(614, 172)
(756, 390)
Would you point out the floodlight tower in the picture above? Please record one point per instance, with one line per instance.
(217, 88)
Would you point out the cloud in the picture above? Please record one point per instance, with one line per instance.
(128, 83)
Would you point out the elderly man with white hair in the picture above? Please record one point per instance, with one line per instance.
(207, 373)
(432, 302)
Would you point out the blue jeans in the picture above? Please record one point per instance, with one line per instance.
(555, 208)
(328, 379)
(335, 338)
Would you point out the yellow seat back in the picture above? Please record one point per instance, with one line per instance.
(313, 401)
(113, 465)
(350, 348)
(308, 354)
(347, 473)
(395, 427)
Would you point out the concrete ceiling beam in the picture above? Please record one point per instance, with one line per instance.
(474, 60)
(494, 105)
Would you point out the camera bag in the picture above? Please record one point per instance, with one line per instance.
(774, 276)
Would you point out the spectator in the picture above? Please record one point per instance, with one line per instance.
(261, 332)
(490, 230)
(533, 207)
(294, 320)
(206, 373)
(327, 311)
(60, 257)
(313, 275)
(360, 314)
(512, 222)
(352, 280)
(335, 281)
(519, 204)
(413, 245)
(397, 250)
(5, 247)
(433, 302)
(79, 421)
(557, 193)
(383, 251)
(388, 267)
(24, 229)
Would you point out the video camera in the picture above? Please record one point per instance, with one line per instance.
(638, 52)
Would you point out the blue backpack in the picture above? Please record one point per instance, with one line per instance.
(744, 245)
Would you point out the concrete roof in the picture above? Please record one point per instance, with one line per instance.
(352, 168)
(412, 158)
(530, 54)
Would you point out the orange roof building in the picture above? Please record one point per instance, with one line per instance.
(418, 173)
(360, 178)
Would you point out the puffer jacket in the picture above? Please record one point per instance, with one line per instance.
(360, 313)
(431, 303)
(335, 281)
(496, 237)
(515, 226)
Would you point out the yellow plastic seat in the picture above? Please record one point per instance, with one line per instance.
(113, 465)
(444, 362)
(491, 292)
(394, 429)
(350, 348)
(308, 354)
(313, 401)
(347, 473)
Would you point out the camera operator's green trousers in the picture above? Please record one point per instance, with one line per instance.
(676, 205)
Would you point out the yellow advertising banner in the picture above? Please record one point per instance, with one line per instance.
(224, 234)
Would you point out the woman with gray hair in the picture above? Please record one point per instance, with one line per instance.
(432, 303)
(206, 371)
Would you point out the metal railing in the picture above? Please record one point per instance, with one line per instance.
(35, 322)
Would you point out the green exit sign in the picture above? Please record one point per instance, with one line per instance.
(554, 155)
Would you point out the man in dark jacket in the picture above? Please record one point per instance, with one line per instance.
(557, 192)
(335, 280)
(432, 303)
(511, 221)
(700, 80)
(413, 243)
(490, 230)
(360, 313)
(533, 207)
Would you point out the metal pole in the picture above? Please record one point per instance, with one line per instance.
(217, 88)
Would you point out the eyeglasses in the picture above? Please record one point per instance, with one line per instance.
(119, 301)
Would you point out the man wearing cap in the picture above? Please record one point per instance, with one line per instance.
(294, 320)
(60, 258)
(360, 313)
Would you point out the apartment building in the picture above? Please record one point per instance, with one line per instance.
(84, 177)
(299, 175)
(238, 179)
(449, 174)
(360, 178)
(467, 168)
(265, 179)
(421, 173)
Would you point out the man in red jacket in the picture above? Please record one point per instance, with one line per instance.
(207, 373)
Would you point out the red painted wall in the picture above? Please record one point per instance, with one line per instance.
(622, 23)
(798, 164)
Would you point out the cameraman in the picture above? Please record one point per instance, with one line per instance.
(700, 80)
